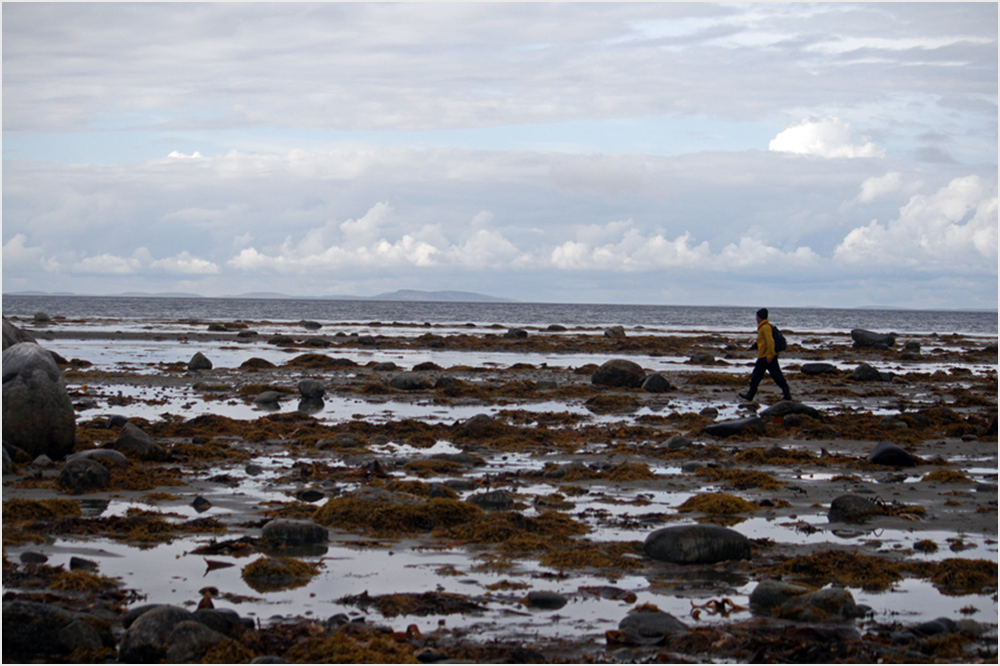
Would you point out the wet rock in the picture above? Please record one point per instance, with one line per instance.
(31, 557)
(657, 383)
(770, 594)
(295, 532)
(38, 415)
(13, 335)
(494, 500)
(831, 604)
(427, 366)
(409, 381)
(311, 389)
(696, 544)
(201, 504)
(310, 495)
(556, 328)
(735, 426)
(42, 318)
(79, 634)
(448, 382)
(199, 362)
(853, 509)
(253, 469)
(480, 425)
(146, 639)
(786, 407)
(103, 456)
(31, 629)
(619, 373)
(912, 347)
(701, 358)
(81, 564)
(310, 325)
(615, 332)
(83, 475)
(281, 340)
(887, 453)
(545, 600)
(866, 373)
(268, 398)
(257, 363)
(819, 369)
(135, 443)
(385, 366)
(41, 461)
(870, 340)
(223, 620)
(516, 333)
(115, 422)
(678, 442)
(650, 627)
(709, 412)
(189, 641)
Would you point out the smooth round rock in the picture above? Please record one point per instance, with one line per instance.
(619, 373)
(697, 544)
(83, 475)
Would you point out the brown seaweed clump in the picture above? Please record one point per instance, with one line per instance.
(946, 476)
(847, 568)
(717, 503)
(48, 509)
(270, 574)
(80, 581)
(957, 576)
(340, 648)
(390, 518)
(741, 479)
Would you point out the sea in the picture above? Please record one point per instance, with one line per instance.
(149, 310)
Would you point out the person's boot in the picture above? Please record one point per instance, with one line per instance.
(748, 396)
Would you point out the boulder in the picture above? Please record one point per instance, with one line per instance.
(38, 415)
(786, 407)
(268, 398)
(697, 544)
(310, 325)
(545, 600)
(79, 634)
(82, 475)
(650, 627)
(135, 443)
(831, 604)
(619, 373)
(13, 335)
(678, 442)
(770, 594)
(891, 455)
(410, 381)
(494, 500)
(866, 373)
(189, 641)
(33, 630)
(657, 383)
(295, 532)
(199, 362)
(223, 620)
(819, 369)
(147, 638)
(735, 426)
(853, 509)
(311, 389)
(103, 456)
(615, 332)
(870, 340)
(516, 333)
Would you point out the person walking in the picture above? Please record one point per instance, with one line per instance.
(767, 360)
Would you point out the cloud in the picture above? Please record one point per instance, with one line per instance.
(873, 188)
(184, 263)
(829, 137)
(956, 227)
(18, 255)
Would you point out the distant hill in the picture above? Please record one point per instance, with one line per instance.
(439, 296)
(412, 295)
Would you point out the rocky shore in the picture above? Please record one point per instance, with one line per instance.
(629, 508)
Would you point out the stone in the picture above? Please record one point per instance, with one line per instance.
(678, 442)
(615, 332)
(619, 373)
(516, 333)
(311, 389)
(79, 634)
(770, 594)
(494, 500)
(891, 455)
(200, 504)
(223, 620)
(651, 626)
(385, 366)
(135, 443)
(146, 639)
(310, 325)
(786, 407)
(13, 335)
(32, 629)
(545, 600)
(31, 557)
(83, 475)
(819, 369)
(696, 544)
(199, 362)
(831, 604)
(42, 318)
(104, 456)
(410, 381)
(734, 427)
(701, 358)
(268, 398)
(189, 641)
(81, 564)
(38, 414)
(295, 532)
(853, 509)
(657, 383)
(866, 373)
(870, 340)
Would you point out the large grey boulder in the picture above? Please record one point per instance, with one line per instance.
(189, 641)
(38, 415)
(410, 381)
(295, 532)
(619, 373)
(34, 630)
(870, 340)
(650, 627)
(734, 426)
(81, 475)
(12, 335)
(891, 455)
(786, 407)
(657, 383)
(147, 637)
(696, 544)
(135, 443)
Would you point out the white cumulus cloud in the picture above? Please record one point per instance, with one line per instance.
(827, 137)
(956, 226)
(873, 188)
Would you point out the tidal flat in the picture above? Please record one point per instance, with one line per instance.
(483, 500)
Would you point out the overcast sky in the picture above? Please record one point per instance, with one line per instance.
(829, 155)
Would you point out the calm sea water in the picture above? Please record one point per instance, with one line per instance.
(668, 317)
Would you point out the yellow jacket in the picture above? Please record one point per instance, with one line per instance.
(765, 341)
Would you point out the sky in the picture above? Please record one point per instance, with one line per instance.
(767, 155)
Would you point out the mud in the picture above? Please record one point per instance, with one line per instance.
(590, 472)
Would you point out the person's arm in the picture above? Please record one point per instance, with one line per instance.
(765, 343)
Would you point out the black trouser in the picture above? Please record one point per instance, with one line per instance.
(773, 369)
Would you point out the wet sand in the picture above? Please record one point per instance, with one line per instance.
(607, 459)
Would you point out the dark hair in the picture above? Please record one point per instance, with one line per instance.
(762, 313)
